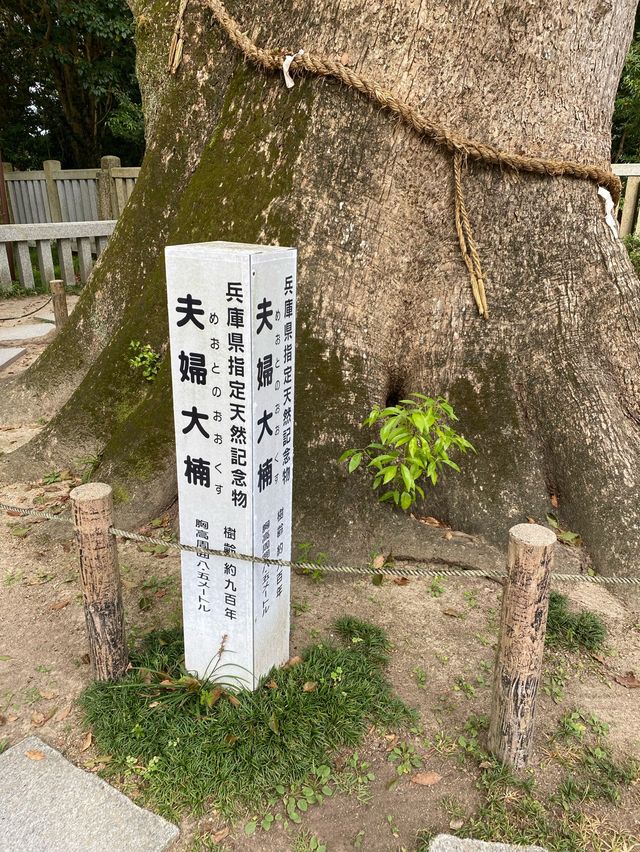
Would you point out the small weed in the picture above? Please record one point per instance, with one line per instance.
(145, 359)
(306, 554)
(392, 826)
(306, 842)
(11, 579)
(471, 598)
(52, 477)
(443, 659)
(32, 695)
(421, 677)
(436, 587)
(355, 779)
(43, 669)
(405, 757)
(554, 682)
(463, 686)
(442, 743)
(298, 607)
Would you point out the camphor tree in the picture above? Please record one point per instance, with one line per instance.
(547, 387)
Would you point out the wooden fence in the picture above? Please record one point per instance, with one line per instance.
(69, 195)
(60, 238)
(629, 219)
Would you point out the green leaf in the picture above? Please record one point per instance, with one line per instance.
(355, 462)
(273, 723)
(303, 805)
(346, 455)
(389, 473)
(406, 478)
(418, 420)
(406, 500)
(250, 827)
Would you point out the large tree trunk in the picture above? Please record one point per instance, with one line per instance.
(547, 388)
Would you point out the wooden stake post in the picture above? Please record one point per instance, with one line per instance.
(525, 604)
(59, 298)
(92, 518)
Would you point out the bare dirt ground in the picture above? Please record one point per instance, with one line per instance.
(443, 638)
(443, 648)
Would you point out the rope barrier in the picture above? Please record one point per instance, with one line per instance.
(460, 147)
(328, 568)
(28, 314)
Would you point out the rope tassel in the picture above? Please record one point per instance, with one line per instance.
(468, 245)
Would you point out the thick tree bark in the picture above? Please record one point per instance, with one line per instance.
(547, 388)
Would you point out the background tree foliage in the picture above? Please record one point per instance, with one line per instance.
(68, 88)
(625, 136)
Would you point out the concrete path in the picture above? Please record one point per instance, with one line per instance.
(447, 843)
(49, 805)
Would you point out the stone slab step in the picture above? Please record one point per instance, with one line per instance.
(49, 805)
(448, 843)
(9, 355)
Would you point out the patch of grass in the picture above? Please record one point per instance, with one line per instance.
(4, 744)
(573, 630)
(515, 811)
(185, 744)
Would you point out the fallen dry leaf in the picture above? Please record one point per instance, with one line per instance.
(344, 59)
(86, 659)
(554, 501)
(455, 824)
(448, 535)
(220, 835)
(452, 613)
(60, 604)
(87, 742)
(12, 718)
(310, 686)
(426, 779)
(154, 704)
(601, 658)
(63, 714)
(432, 522)
(293, 661)
(378, 562)
(48, 695)
(271, 684)
(233, 700)
(3, 719)
(629, 680)
(35, 754)
(401, 581)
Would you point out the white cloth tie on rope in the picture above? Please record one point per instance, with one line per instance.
(286, 65)
(609, 208)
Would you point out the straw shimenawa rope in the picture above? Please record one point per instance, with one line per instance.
(460, 147)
